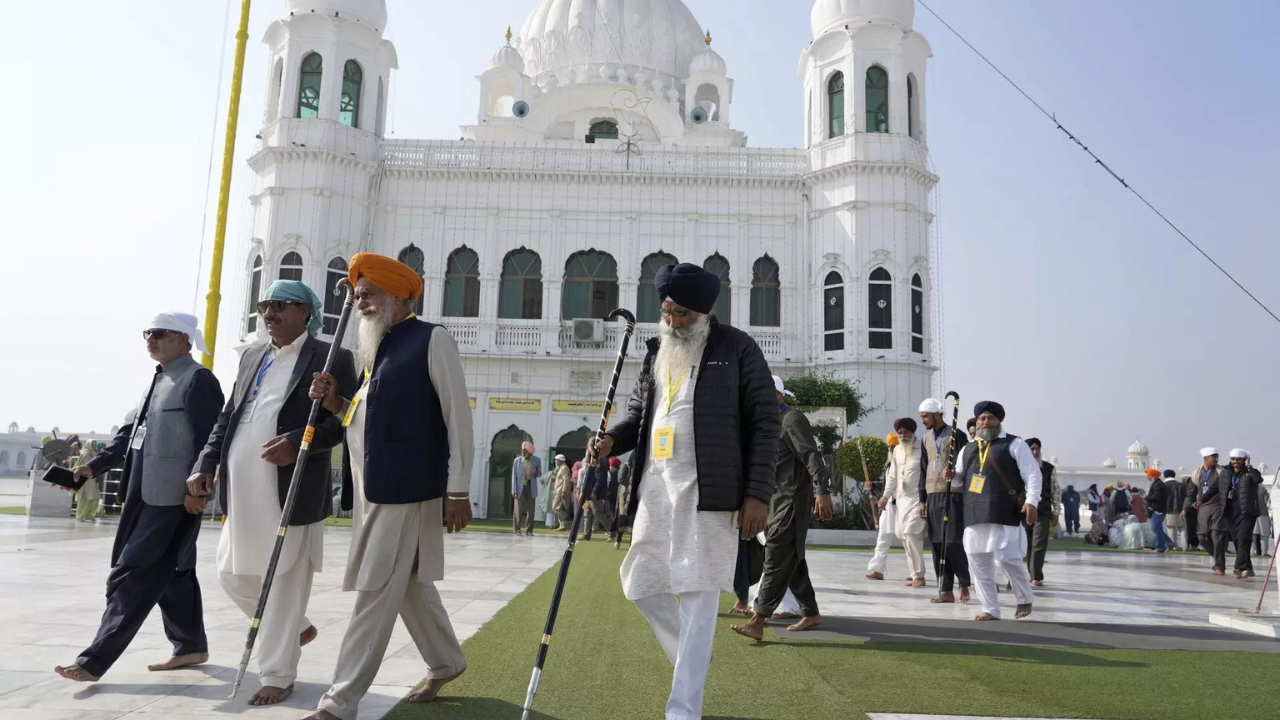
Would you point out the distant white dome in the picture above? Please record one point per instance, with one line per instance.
(1108, 463)
(1137, 449)
(709, 61)
(830, 15)
(654, 36)
(508, 56)
(368, 12)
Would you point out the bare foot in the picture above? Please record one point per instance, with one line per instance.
(1023, 611)
(812, 621)
(319, 714)
(985, 617)
(944, 598)
(180, 661)
(307, 636)
(916, 583)
(1037, 583)
(739, 608)
(964, 595)
(432, 688)
(271, 695)
(1216, 571)
(753, 628)
(875, 576)
(75, 672)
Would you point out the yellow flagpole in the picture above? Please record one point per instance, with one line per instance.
(214, 299)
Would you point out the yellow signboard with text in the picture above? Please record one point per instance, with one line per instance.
(579, 407)
(517, 404)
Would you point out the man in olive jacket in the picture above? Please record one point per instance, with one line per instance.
(703, 422)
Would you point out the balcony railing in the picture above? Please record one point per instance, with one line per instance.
(556, 338)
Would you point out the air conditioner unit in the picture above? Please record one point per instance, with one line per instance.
(588, 331)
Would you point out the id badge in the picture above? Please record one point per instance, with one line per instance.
(247, 415)
(139, 436)
(1231, 494)
(664, 443)
(351, 412)
(977, 482)
(937, 464)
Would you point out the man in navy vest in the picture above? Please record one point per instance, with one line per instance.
(1001, 481)
(407, 462)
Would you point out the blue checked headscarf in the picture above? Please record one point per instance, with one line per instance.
(299, 292)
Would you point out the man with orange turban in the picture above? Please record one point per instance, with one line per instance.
(407, 462)
(525, 471)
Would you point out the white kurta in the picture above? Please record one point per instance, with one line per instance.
(1006, 541)
(376, 529)
(253, 508)
(902, 484)
(675, 548)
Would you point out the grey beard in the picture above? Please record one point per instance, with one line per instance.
(988, 434)
(906, 441)
(369, 335)
(681, 348)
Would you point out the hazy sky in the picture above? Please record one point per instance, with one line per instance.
(1065, 298)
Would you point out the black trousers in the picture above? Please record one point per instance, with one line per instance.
(955, 568)
(1207, 541)
(785, 567)
(1073, 521)
(1244, 543)
(1218, 548)
(132, 591)
(1038, 544)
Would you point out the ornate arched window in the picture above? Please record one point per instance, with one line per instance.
(835, 105)
(718, 266)
(334, 274)
(309, 86)
(590, 285)
(766, 294)
(414, 258)
(880, 310)
(833, 312)
(648, 305)
(913, 107)
(604, 130)
(520, 294)
(349, 109)
(22, 460)
(917, 314)
(291, 267)
(251, 299)
(877, 100)
(462, 284)
(4, 458)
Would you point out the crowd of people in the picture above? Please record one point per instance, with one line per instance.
(723, 481)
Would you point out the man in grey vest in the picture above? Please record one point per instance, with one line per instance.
(154, 558)
(1001, 481)
(524, 488)
(941, 506)
(1208, 512)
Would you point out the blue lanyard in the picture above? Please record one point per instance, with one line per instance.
(262, 372)
(1235, 480)
(937, 442)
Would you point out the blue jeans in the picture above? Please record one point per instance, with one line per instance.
(1163, 541)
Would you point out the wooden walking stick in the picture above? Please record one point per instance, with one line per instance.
(298, 466)
(590, 461)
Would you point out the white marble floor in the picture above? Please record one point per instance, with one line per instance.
(53, 582)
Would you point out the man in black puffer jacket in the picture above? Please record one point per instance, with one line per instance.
(704, 424)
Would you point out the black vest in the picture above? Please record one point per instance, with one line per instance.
(993, 505)
(1046, 488)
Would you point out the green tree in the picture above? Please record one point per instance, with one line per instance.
(815, 390)
(850, 457)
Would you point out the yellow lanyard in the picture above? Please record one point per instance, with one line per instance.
(673, 389)
(982, 456)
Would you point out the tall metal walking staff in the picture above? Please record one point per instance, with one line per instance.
(948, 463)
(590, 461)
(287, 513)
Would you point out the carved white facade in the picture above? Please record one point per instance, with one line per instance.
(605, 135)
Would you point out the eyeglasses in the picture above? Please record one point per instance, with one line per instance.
(275, 306)
(675, 313)
(155, 334)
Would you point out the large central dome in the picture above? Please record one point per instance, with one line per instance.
(567, 37)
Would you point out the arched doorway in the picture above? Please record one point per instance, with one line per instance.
(502, 454)
(573, 445)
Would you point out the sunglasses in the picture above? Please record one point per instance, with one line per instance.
(275, 306)
(155, 334)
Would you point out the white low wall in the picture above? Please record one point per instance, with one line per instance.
(849, 538)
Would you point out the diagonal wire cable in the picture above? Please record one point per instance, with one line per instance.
(1099, 161)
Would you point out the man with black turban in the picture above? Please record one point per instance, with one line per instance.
(704, 424)
(1002, 482)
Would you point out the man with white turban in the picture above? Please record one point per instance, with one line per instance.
(1209, 511)
(153, 561)
(1238, 490)
(942, 504)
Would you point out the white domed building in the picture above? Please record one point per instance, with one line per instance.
(604, 146)
(1137, 456)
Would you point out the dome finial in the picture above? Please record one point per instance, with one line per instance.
(708, 37)
(508, 34)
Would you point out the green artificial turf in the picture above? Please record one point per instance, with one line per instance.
(11, 510)
(605, 664)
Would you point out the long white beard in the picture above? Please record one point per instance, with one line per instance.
(988, 434)
(369, 335)
(681, 348)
